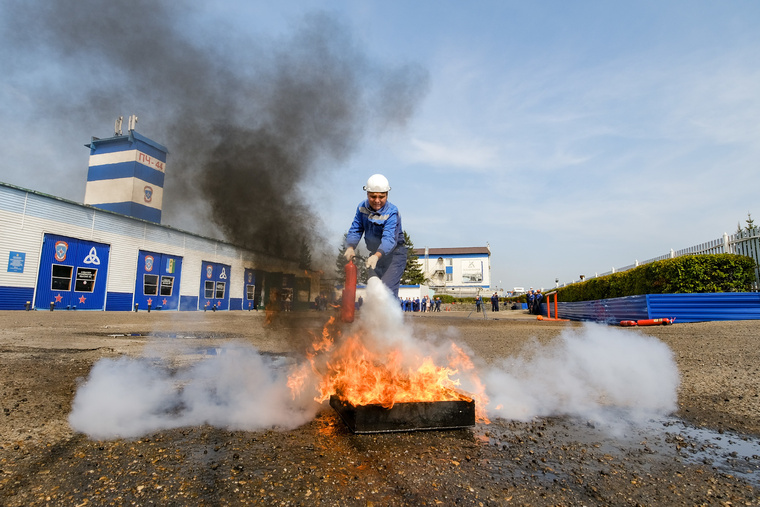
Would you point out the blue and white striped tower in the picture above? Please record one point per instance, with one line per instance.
(126, 174)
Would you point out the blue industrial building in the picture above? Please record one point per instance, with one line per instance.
(112, 253)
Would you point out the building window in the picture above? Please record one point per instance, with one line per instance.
(85, 279)
(167, 284)
(449, 277)
(249, 292)
(150, 285)
(61, 277)
(219, 290)
(208, 290)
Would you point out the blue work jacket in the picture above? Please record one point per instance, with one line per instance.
(381, 229)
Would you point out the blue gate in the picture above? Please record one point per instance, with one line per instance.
(249, 282)
(73, 274)
(158, 281)
(215, 288)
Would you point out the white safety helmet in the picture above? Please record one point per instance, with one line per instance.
(377, 183)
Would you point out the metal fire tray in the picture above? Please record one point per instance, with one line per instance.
(412, 416)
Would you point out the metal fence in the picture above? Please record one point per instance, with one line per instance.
(742, 243)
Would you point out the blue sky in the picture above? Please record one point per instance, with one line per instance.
(572, 137)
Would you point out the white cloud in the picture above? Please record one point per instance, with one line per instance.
(470, 154)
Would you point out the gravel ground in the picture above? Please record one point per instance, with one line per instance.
(704, 454)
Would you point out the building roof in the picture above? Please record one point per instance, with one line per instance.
(128, 217)
(465, 250)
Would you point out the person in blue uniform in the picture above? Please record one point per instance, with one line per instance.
(379, 222)
(537, 297)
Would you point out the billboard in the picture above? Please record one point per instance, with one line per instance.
(472, 271)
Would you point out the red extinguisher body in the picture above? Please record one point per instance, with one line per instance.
(655, 322)
(349, 294)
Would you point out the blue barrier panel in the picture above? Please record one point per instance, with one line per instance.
(611, 310)
(682, 307)
(705, 307)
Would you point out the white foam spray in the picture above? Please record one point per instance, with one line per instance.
(594, 372)
(238, 388)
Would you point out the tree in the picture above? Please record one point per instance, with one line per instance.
(304, 259)
(749, 230)
(413, 274)
(751, 227)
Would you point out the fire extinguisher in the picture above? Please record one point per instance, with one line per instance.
(655, 322)
(349, 293)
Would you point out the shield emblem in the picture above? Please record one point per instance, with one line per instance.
(61, 247)
(148, 193)
(209, 271)
(149, 263)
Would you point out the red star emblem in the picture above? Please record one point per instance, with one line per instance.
(58, 298)
(82, 299)
(164, 301)
(150, 301)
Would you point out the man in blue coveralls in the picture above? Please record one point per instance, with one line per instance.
(380, 223)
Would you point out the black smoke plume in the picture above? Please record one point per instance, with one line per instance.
(247, 119)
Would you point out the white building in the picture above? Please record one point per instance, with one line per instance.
(464, 271)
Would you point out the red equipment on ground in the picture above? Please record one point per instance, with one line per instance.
(349, 293)
(655, 322)
(647, 322)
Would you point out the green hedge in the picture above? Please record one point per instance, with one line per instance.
(686, 274)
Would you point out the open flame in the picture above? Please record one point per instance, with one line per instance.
(362, 375)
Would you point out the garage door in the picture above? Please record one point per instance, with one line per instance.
(73, 274)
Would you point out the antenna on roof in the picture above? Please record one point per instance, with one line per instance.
(117, 126)
(132, 122)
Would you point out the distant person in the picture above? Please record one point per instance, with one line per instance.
(495, 302)
(478, 302)
(537, 298)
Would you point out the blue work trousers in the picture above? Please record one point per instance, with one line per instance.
(390, 268)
